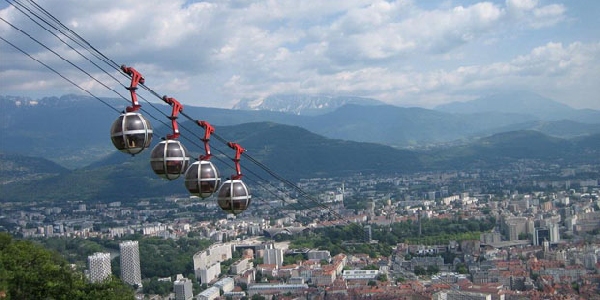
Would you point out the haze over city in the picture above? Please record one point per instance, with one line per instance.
(405, 53)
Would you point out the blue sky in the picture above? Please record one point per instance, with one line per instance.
(405, 53)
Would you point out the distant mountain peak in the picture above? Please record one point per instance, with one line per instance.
(519, 102)
(302, 104)
(22, 102)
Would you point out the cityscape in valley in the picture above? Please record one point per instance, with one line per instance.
(534, 234)
(296, 150)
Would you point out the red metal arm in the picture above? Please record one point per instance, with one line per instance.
(136, 78)
(238, 153)
(208, 130)
(177, 108)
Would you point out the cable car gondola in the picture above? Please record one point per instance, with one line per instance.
(202, 177)
(131, 133)
(169, 158)
(233, 196)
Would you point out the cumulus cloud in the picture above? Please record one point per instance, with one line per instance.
(228, 50)
(532, 14)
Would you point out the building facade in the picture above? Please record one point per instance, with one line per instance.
(273, 257)
(99, 267)
(130, 263)
(183, 289)
(209, 294)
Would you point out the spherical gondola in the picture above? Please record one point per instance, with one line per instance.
(202, 179)
(169, 159)
(234, 196)
(131, 133)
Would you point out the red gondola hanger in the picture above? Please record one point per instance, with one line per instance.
(208, 130)
(202, 177)
(169, 158)
(136, 77)
(238, 154)
(177, 108)
(131, 132)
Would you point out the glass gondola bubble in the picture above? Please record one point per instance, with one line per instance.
(131, 133)
(202, 179)
(234, 196)
(169, 159)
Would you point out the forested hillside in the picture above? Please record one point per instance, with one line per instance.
(30, 271)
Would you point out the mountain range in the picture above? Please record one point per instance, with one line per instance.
(41, 127)
(522, 103)
(289, 152)
(369, 120)
(59, 148)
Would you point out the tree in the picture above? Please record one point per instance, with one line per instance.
(433, 269)
(30, 271)
(418, 270)
(153, 286)
(461, 268)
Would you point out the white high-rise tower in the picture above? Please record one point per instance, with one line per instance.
(99, 266)
(130, 263)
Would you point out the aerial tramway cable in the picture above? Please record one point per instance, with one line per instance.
(102, 57)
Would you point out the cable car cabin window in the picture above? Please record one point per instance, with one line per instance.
(225, 204)
(239, 204)
(208, 172)
(206, 186)
(175, 150)
(176, 166)
(117, 126)
(136, 140)
(119, 142)
(238, 190)
(192, 187)
(158, 151)
(158, 167)
(226, 192)
(134, 123)
(192, 174)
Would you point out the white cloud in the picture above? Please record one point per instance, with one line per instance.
(399, 51)
(531, 14)
(520, 6)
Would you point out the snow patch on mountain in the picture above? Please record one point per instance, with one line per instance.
(302, 104)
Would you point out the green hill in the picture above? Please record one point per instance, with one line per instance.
(29, 271)
(291, 153)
